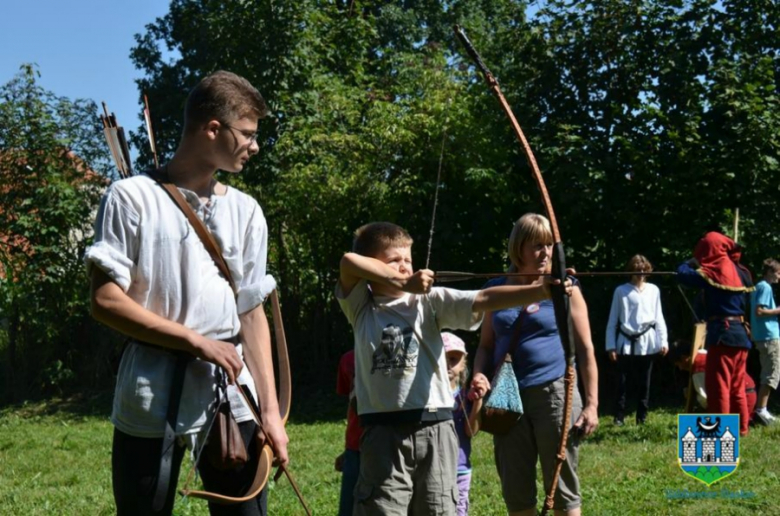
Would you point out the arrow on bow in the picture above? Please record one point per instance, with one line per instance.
(559, 297)
(450, 276)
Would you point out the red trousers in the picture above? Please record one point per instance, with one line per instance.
(724, 381)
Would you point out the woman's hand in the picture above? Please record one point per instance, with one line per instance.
(480, 386)
(549, 282)
(588, 421)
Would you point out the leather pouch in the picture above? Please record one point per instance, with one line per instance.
(225, 449)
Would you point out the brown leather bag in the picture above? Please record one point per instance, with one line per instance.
(225, 449)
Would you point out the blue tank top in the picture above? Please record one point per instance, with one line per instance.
(539, 357)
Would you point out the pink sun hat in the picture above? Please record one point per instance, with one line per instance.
(453, 343)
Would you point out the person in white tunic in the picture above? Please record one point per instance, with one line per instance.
(636, 333)
(154, 281)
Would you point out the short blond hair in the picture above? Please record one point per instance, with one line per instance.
(531, 227)
(374, 237)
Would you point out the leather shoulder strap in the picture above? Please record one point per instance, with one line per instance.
(200, 228)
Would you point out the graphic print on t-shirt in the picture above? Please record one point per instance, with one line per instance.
(397, 352)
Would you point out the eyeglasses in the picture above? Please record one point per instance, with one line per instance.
(250, 136)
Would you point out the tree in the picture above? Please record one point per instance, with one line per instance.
(362, 95)
(50, 164)
(650, 120)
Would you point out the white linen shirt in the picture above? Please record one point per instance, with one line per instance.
(145, 244)
(634, 310)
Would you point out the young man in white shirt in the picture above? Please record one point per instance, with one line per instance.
(154, 281)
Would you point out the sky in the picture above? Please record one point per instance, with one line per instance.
(81, 47)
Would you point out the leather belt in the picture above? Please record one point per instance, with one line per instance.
(739, 318)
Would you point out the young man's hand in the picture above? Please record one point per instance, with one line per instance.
(274, 429)
(420, 282)
(222, 354)
(612, 356)
(339, 464)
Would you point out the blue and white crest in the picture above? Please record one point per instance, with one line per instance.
(708, 445)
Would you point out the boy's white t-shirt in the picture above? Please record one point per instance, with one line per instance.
(400, 362)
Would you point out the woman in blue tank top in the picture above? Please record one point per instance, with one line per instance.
(539, 364)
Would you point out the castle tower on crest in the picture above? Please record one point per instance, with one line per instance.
(689, 446)
(727, 446)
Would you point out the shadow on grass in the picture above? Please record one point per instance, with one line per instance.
(91, 404)
(310, 405)
(657, 429)
(650, 432)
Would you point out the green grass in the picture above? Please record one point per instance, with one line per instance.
(55, 459)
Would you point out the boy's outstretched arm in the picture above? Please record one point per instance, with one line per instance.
(508, 296)
(354, 267)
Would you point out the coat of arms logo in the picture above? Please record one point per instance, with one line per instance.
(708, 445)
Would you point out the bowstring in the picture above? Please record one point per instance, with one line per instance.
(466, 414)
(436, 191)
(696, 318)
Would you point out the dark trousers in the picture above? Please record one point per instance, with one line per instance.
(634, 379)
(350, 470)
(135, 462)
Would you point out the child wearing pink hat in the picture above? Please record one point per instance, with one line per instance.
(464, 413)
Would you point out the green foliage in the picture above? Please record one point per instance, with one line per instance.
(48, 160)
(362, 94)
(650, 120)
